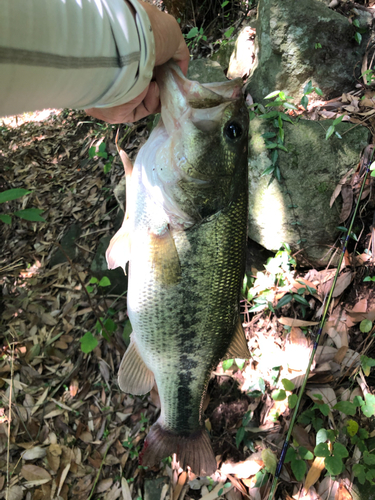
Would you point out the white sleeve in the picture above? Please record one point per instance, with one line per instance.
(72, 54)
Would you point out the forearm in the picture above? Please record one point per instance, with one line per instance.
(56, 53)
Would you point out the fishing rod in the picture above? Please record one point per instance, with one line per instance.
(317, 338)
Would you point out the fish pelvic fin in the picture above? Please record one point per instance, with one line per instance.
(118, 251)
(194, 451)
(238, 347)
(134, 377)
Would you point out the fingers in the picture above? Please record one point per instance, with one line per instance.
(147, 103)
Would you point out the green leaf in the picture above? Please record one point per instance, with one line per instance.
(262, 385)
(227, 363)
(240, 363)
(305, 453)
(192, 33)
(359, 471)
(13, 194)
(308, 88)
(284, 300)
(292, 401)
(7, 219)
(288, 385)
(339, 450)
(289, 105)
(345, 407)
(269, 135)
(127, 331)
(356, 23)
(368, 409)
(352, 427)
(268, 170)
(224, 4)
(278, 395)
(358, 401)
(110, 325)
(367, 364)
(93, 280)
(88, 342)
(290, 455)
(369, 458)
(107, 168)
(365, 326)
(338, 120)
(333, 465)
(369, 278)
(330, 131)
(298, 468)
(104, 281)
(321, 450)
(304, 101)
(321, 436)
(358, 37)
(270, 460)
(229, 32)
(90, 289)
(31, 214)
(318, 91)
(324, 409)
(239, 436)
(301, 300)
(272, 94)
(92, 152)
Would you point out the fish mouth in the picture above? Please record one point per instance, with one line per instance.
(183, 99)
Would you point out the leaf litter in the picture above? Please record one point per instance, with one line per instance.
(71, 432)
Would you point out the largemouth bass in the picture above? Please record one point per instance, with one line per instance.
(184, 235)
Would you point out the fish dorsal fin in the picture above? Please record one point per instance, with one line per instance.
(133, 376)
(165, 260)
(118, 252)
(238, 347)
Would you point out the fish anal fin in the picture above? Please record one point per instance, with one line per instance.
(134, 377)
(128, 165)
(118, 251)
(194, 450)
(165, 260)
(238, 347)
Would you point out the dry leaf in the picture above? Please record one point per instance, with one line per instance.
(327, 393)
(104, 484)
(247, 468)
(126, 495)
(15, 493)
(34, 453)
(180, 484)
(63, 477)
(342, 493)
(314, 473)
(347, 197)
(32, 472)
(296, 322)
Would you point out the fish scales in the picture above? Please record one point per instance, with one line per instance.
(187, 229)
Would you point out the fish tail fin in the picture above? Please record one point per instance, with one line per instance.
(194, 450)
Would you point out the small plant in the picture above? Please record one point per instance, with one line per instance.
(372, 169)
(344, 230)
(100, 152)
(194, 37)
(318, 45)
(133, 450)
(297, 297)
(369, 76)
(242, 431)
(296, 456)
(308, 90)
(144, 422)
(369, 278)
(332, 130)
(359, 31)
(30, 214)
(104, 282)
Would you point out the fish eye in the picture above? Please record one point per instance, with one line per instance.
(233, 131)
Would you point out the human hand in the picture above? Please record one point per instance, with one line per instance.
(169, 44)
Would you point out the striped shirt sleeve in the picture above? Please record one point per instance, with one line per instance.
(72, 54)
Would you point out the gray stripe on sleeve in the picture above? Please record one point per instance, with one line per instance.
(33, 58)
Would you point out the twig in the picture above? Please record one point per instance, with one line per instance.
(10, 417)
(98, 474)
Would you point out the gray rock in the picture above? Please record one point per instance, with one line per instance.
(153, 488)
(287, 60)
(298, 208)
(206, 71)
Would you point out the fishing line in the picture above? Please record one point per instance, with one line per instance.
(317, 338)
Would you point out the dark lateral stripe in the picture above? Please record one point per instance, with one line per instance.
(32, 58)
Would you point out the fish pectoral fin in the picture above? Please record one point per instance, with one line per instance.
(118, 251)
(165, 260)
(133, 376)
(238, 347)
